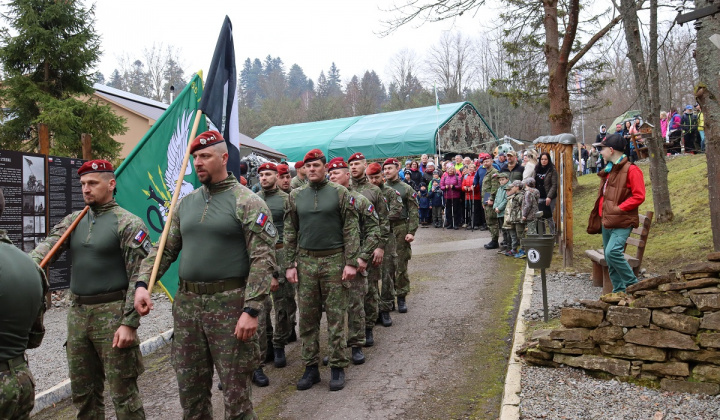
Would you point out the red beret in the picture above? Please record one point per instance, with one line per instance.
(243, 180)
(356, 156)
(283, 169)
(299, 164)
(336, 163)
(392, 161)
(267, 166)
(98, 165)
(206, 139)
(314, 154)
(373, 169)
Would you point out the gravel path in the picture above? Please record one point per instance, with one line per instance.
(48, 362)
(569, 393)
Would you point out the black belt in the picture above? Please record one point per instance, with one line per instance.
(101, 298)
(209, 288)
(15, 362)
(322, 253)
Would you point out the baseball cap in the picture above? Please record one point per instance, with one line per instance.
(511, 153)
(688, 107)
(615, 141)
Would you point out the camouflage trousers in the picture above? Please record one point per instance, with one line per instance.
(356, 310)
(320, 285)
(17, 392)
(92, 358)
(387, 270)
(265, 329)
(492, 222)
(284, 305)
(404, 254)
(204, 338)
(372, 297)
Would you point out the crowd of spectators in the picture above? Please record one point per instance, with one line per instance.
(457, 193)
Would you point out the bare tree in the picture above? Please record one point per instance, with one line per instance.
(450, 63)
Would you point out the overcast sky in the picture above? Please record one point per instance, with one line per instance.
(311, 33)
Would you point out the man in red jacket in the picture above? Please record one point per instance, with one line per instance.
(622, 190)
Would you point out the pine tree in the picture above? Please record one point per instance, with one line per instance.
(333, 79)
(116, 80)
(297, 82)
(47, 52)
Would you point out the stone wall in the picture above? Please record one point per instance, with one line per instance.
(665, 330)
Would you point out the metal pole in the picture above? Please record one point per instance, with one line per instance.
(544, 295)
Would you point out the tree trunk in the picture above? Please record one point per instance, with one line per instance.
(658, 168)
(557, 61)
(707, 58)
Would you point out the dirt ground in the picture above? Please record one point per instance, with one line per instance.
(444, 359)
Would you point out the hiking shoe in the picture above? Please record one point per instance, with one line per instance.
(520, 254)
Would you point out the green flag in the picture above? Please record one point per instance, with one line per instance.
(146, 179)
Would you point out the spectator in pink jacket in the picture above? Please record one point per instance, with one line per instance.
(451, 184)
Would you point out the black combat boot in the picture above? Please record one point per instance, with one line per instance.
(385, 318)
(369, 340)
(259, 378)
(280, 360)
(358, 358)
(492, 245)
(309, 378)
(269, 353)
(337, 379)
(402, 306)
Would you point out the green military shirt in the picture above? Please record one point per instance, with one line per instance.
(375, 195)
(224, 230)
(297, 182)
(22, 301)
(490, 184)
(322, 217)
(369, 225)
(393, 201)
(408, 196)
(277, 202)
(108, 245)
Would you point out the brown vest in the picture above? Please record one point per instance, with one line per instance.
(616, 192)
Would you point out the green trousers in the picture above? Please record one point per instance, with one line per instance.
(621, 274)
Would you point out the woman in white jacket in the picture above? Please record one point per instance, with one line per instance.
(529, 162)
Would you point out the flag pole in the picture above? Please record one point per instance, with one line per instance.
(63, 238)
(171, 210)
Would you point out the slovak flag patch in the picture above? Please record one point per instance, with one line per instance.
(141, 235)
(352, 200)
(262, 219)
(371, 209)
(414, 195)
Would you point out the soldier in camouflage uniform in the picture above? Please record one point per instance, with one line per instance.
(108, 246)
(490, 185)
(301, 178)
(283, 292)
(321, 244)
(369, 240)
(361, 184)
(22, 306)
(228, 242)
(404, 230)
(284, 180)
(393, 202)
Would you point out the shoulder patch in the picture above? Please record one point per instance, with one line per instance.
(352, 200)
(147, 245)
(140, 236)
(262, 219)
(397, 192)
(399, 198)
(414, 195)
(270, 229)
(384, 199)
(371, 209)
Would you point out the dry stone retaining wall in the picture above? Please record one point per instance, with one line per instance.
(665, 330)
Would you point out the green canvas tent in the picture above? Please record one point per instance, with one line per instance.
(408, 132)
(295, 140)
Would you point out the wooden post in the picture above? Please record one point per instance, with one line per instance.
(44, 139)
(568, 206)
(86, 140)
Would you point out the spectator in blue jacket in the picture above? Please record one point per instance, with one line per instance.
(424, 206)
(437, 203)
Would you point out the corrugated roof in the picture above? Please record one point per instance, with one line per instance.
(138, 104)
(259, 147)
(295, 140)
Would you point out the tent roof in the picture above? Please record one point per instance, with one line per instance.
(258, 147)
(295, 140)
(398, 133)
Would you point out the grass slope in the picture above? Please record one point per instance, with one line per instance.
(670, 245)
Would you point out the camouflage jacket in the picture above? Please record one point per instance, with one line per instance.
(530, 203)
(411, 209)
(369, 223)
(251, 214)
(349, 223)
(393, 201)
(134, 247)
(279, 222)
(296, 182)
(375, 195)
(513, 210)
(490, 184)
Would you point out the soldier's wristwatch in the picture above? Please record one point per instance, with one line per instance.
(252, 312)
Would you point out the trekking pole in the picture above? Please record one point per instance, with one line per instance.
(472, 210)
